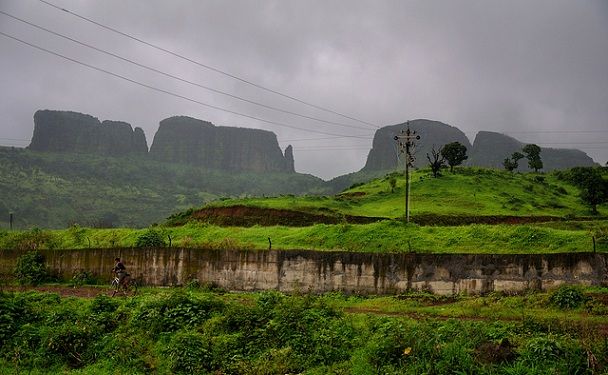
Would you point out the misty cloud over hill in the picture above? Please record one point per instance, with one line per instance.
(182, 139)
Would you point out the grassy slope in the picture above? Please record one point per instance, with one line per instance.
(54, 190)
(386, 236)
(166, 330)
(471, 191)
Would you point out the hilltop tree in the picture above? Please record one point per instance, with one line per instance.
(512, 163)
(532, 152)
(436, 162)
(594, 189)
(455, 153)
(392, 182)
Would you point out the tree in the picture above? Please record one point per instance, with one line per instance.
(512, 163)
(392, 181)
(532, 152)
(455, 153)
(594, 189)
(150, 238)
(436, 162)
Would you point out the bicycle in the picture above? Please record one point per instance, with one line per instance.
(127, 286)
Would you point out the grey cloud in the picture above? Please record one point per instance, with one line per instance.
(501, 66)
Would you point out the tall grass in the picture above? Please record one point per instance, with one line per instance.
(384, 236)
(185, 331)
(469, 191)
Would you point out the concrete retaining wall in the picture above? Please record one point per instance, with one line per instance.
(315, 271)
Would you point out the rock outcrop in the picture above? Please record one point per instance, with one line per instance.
(64, 131)
(188, 140)
(384, 154)
(490, 149)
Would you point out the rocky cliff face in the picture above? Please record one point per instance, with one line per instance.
(187, 140)
(384, 153)
(490, 149)
(64, 131)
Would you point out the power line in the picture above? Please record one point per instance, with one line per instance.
(320, 138)
(557, 131)
(538, 131)
(206, 66)
(169, 92)
(177, 77)
(574, 143)
(15, 139)
(328, 149)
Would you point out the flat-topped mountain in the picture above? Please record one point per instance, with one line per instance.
(179, 139)
(65, 131)
(188, 140)
(385, 152)
(490, 149)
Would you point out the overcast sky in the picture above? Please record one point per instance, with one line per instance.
(531, 69)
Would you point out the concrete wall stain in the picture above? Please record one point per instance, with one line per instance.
(322, 271)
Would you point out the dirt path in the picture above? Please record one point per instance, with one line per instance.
(64, 291)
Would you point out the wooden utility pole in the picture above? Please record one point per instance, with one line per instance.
(406, 145)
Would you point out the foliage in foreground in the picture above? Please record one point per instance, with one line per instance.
(183, 332)
(30, 268)
(385, 236)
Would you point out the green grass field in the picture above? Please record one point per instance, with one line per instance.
(469, 191)
(193, 330)
(385, 236)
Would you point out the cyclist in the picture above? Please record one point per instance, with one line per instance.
(120, 270)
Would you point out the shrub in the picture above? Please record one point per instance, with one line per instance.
(82, 277)
(567, 297)
(189, 353)
(103, 304)
(30, 269)
(32, 240)
(150, 238)
(180, 310)
(68, 342)
(542, 348)
(11, 312)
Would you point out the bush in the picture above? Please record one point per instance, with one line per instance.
(189, 353)
(178, 311)
(32, 240)
(567, 297)
(12, 312)
(69, 342)
(150, 238)
(82, 277)
(30, 269)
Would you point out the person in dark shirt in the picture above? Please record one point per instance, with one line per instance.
(120, 270)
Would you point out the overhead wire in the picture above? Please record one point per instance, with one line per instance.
(170, 92)
(184, 80)
(217, 70)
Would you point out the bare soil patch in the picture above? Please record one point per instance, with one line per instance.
(64, 291)
(245, 216)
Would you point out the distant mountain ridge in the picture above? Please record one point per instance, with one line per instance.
(385, 152)
(179, 139)
(65, 131)
(488, 150)
(182, 139)
(491, 148)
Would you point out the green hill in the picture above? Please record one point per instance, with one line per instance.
(470, 192)
(54, 190)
